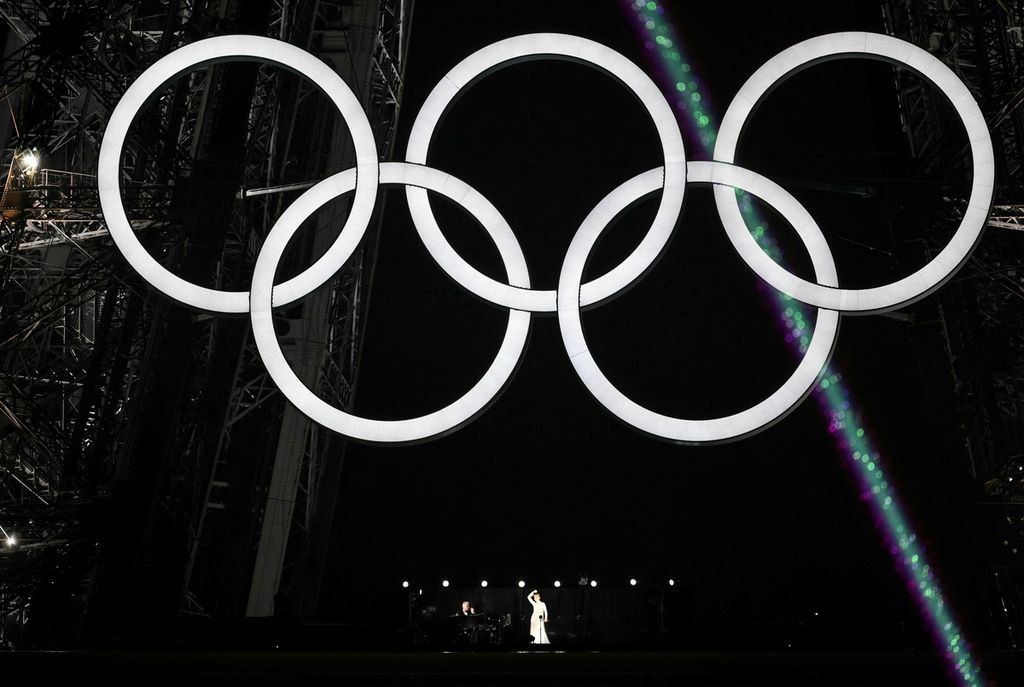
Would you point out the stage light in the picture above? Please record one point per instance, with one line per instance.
(521, 584)
(444, 583)
(593, 583)
(405, 584)
(30, 161)
(557, 584)
(483, 583)
(671, 582)
(632, 582)
(11, 541)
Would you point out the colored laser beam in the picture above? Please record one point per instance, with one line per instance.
(834, 398)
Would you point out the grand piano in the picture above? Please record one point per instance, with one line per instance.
(479, 628)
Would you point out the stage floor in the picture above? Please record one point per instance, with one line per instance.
(585, 669)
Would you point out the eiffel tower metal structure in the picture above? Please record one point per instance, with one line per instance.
(142, 446)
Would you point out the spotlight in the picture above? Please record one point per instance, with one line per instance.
(632, 582)
(444, 583)
(521, 584)
(671, 582)
(557, 584)
(11, 541)
(483, 583)
(405, 584)
(30, 161)
(593, 583)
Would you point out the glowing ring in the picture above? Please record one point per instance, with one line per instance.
(570, 295)
(388, 431)
(946, 263)
(222, 49)
(504, 53)
(735, 426)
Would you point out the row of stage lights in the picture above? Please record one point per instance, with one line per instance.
(556, 584)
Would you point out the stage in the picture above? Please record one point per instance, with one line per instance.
(550, 667)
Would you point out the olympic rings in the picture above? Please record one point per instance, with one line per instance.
(510, 51)
(765, 413)
(571, 295)
(948, 261)
(223, 49)
(389, 431)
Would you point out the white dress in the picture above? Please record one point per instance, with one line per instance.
(538, 633)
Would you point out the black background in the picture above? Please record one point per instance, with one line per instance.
(547, 485)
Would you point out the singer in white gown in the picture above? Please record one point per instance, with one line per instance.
(540, 616)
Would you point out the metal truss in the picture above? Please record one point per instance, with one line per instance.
(74, 324)
(316, 490)
(120, 410)
(1007, 217)
(49, 277)
(982, 312)
(296, 486)
(386, 85)
(981, 41)
(302, 493)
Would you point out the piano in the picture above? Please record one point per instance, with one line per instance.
(477, 627)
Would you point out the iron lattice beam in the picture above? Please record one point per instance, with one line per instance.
(119, 411)
(78, 333)
(981, 314)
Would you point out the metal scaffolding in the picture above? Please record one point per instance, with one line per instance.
(981, 314)
(143, 446)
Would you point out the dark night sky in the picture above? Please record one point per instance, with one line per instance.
(545, 483)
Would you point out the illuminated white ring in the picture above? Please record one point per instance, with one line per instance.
(943, 265)
(735, 426)
(222, 49)
(388, 431)
(507, 52)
